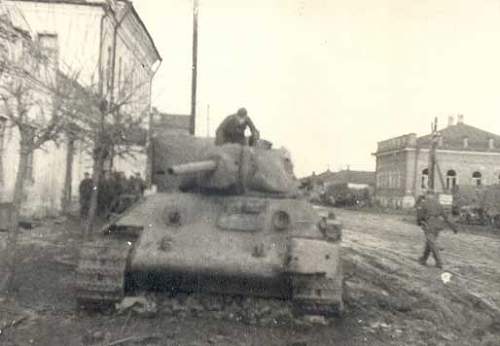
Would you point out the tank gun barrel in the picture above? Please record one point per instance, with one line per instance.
(193, 167)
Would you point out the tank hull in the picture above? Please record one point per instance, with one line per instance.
(223, 235)
(245, 245)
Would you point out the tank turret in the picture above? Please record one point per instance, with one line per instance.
(240, 170)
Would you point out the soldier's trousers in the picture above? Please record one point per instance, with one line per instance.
(431, 235)
(84, 209)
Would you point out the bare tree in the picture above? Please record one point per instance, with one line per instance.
(35, 104)
(45, 105)
(109, 127)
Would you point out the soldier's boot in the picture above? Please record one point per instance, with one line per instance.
(437, 258)
(423, 259)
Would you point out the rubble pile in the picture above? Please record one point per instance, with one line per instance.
(246, 310)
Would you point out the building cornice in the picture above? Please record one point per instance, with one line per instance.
(66, 2)
(444, 151)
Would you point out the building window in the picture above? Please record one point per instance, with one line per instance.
(49, 47)
(466, 142)
(424, 182)
(451, 179)
(491, 143)
(476, 178)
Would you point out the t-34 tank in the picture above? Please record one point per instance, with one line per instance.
(237, 226)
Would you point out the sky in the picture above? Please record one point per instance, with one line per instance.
(328, 79)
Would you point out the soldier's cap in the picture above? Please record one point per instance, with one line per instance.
(242, 111)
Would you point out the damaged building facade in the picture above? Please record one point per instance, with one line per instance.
(466, 155)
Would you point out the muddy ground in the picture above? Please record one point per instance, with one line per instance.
(390, 298)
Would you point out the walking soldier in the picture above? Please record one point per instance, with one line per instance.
(432, 219)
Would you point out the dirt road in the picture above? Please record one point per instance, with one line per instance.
(391, 299)
(419, 301)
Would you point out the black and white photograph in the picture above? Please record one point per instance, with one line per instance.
(249, 172)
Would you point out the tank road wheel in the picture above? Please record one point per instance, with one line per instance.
(100, 275)
(318, 295)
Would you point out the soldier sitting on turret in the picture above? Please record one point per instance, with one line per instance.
(232, 129)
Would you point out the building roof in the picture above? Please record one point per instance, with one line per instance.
(139, 19)
(165, 122)
(453, 138)
(344, 176)
(102, 4)
(71, 2)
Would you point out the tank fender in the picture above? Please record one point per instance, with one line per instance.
(316, 276)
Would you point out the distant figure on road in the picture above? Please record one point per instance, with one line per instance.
(85, 190)
(232, 129)
(432, 219)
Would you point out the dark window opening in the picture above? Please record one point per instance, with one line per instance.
(476, 178)
(424, 181)
(451, 179)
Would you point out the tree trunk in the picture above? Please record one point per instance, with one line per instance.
(66, 200)
(7, 283)
(96, 177)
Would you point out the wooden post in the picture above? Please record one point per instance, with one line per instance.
(194, 68)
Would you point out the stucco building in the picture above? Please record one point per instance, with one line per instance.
(466, 155)
(18, 51)
(105, 46)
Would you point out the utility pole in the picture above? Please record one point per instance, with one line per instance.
(194, 68)
(432, 155)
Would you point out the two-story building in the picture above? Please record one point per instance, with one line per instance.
(465, 154)
(103, 45)
(25, 74)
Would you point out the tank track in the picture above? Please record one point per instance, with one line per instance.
(320, 309)
(314, 299)
(100, 275)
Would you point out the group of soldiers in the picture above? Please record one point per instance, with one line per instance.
(115, 192)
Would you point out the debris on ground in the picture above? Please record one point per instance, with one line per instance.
(247, 310)
(313, 319)
(446, 277)
(142, 305)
